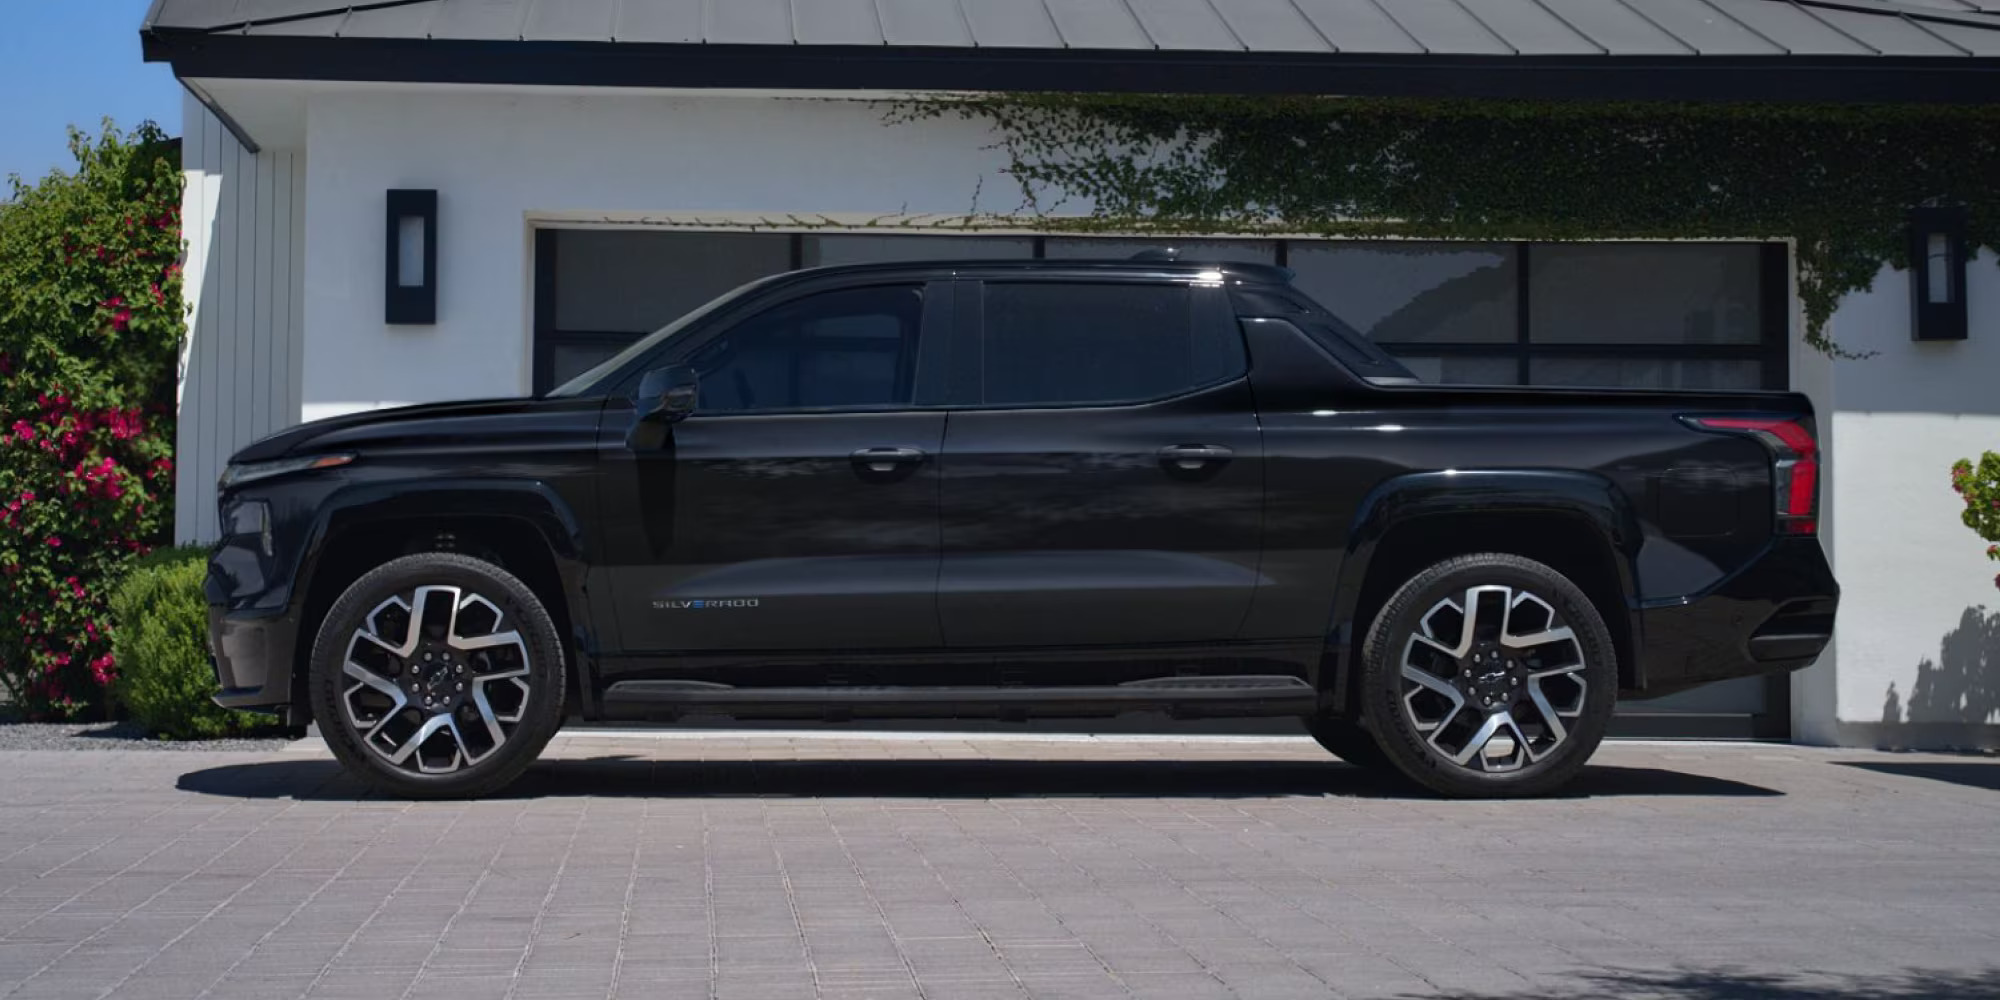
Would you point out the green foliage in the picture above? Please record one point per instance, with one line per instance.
(90, 332)
(1837, 179)
(1979, 486)
(160, 625)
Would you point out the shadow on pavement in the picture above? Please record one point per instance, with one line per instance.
(1980, 774)
(934, 779)
(1728, 984)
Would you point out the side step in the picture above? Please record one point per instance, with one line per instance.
(1185, 697)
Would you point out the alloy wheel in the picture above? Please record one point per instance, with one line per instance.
(435, 682)
(1493, 679)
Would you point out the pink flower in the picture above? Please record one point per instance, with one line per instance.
(27, 496)
(23, 430)
(54, 542)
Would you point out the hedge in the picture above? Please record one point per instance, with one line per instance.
(91, 325)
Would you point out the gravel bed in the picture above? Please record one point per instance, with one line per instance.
(118, 736)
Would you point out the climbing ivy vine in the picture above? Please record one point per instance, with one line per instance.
(1836, 179)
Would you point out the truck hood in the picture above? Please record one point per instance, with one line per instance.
(421, 425)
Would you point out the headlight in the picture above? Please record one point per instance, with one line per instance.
(237, 475)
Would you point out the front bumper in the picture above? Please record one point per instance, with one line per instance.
(1773, 616)
(253, 655)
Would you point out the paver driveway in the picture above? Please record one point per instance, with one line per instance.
(768, 868)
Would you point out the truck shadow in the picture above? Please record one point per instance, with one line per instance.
(619, 776)
(1734, 984)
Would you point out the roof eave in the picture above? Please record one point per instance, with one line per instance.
(1791, 78)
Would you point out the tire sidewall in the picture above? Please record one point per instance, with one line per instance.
(519, 606)
(1382, 684)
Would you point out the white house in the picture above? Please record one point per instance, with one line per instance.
(600, 166)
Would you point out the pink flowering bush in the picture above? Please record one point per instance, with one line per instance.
(90, 332)
(1979, 486)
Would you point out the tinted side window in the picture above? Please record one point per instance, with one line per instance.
(853, 347)
(1083, 343)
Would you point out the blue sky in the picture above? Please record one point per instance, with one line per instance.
(65, 62)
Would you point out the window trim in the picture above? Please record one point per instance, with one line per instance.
(1205, 304)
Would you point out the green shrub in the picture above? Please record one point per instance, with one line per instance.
(160, 637)
(90, 333)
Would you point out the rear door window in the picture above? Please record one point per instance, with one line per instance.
(1082, 343)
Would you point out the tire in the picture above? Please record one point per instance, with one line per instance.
(489, 663)
(1474, 716)
(1348, 741)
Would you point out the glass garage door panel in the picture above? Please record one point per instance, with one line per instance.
(867, 249)
(637, 282)
(1644, 293)
(1414, 292)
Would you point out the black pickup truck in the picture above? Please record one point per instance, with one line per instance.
(1009, 490)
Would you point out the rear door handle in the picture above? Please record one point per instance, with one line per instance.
(887, 459)
(1195, 456)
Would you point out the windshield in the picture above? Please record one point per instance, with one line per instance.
(584, 384)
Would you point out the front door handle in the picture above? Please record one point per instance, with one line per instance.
(1194, 457)
(887, 459)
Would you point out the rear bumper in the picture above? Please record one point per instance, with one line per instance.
(1773, 616)
(252, 654)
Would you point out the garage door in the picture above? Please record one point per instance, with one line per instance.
(1660, 315)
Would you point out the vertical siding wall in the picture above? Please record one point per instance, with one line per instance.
(241, 368)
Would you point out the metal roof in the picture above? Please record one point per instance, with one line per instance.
(1466, 27)
(1428, 47)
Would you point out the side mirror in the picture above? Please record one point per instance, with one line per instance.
(668, 395)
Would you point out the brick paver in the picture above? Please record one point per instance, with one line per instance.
(771, 867)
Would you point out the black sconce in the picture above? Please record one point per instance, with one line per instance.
(1937, 274)
(411, 294)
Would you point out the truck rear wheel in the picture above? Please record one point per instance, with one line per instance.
(437, 675)
(1488, 676)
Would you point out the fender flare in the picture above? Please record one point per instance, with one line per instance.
(1592, 500)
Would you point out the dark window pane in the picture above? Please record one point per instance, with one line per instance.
(1463, 370)
(637, 282)
(1644, 293)
(1642, 373)
(1112, 248)
(856, 347)
(567, 361)
(1413, 292)
(1081, 343)
(822, 251)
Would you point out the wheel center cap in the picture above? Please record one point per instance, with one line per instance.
(1490, 675)
(438, 678)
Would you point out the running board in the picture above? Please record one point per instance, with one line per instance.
(1184, 697)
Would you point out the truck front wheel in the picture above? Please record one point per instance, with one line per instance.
(1488, 676)
(437, 676)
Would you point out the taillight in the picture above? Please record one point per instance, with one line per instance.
(1794, 464)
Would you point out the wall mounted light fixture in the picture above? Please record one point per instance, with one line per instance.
(1937, 273)
(410, 297)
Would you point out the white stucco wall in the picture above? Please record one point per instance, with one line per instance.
(1917, 661)
(500, 161)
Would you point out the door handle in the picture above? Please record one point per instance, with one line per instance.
(887, 459)
(1191, 457)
